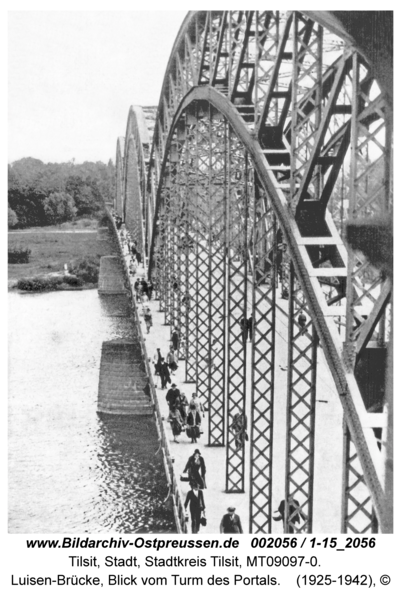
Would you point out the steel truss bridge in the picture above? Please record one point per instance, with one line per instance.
(272, 131)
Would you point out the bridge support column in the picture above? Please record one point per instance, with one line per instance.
(358, 515)
(237, 218)
(263, 362)
(301, 401)
(217, 284)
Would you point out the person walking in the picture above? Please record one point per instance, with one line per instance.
(175, 421)
(196, 469)
(294, 513)
(133, 267)
(164, 374)
(196, 506)
(150, 289)
(171, 360)
(302, 322)
(136, 287)
(175, 338)
(250, 328)
(184, 406)
(144, 286)
(231, 523)
(172, 396)
(139, 291)
(238, 427)
(198, 404)
(157, 361)
(244, 329)
(148, 319)
(193, 423)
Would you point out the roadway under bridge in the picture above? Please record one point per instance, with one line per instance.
(261, 187)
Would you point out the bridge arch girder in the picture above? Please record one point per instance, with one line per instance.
(233, 62)
(354, 409)
(119, 197)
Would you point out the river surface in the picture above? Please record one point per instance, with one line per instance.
(70, 469)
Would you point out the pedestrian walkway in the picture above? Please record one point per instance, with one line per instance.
(327, 503)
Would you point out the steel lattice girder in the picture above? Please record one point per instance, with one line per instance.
(267, 182)
(217, 285)
(191, 224)
(301, 401)
(134, 206)
(202, 263)
(264, 277)
(358, 515)
(322, 162)
(118, 201)
(238, 201)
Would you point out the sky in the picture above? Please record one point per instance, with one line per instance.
(72, 77)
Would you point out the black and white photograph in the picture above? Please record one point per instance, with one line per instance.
(200, 272)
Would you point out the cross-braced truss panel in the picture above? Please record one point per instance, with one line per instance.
(270, 133)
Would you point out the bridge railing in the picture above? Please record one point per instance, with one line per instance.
(168, 460)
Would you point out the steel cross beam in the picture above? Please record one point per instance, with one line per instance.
(370, 196)
(267, 32)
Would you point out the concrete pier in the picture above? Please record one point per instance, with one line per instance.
(111, 280)
(123, 384)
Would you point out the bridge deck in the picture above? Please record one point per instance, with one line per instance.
(328, 441)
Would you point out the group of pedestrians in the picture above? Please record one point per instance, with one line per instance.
(143, 290)
(184, 416)
(195, 499)
(136, 255)
(165, 367)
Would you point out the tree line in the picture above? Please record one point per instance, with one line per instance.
(51, 193)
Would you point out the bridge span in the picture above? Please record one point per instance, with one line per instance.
(270, 147)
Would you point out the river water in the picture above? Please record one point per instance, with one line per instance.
(70, 469)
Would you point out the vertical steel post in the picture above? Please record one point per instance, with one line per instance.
(237, 315)
(301, 402)
(263, 362)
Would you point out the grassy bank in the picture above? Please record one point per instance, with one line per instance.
(51, 250)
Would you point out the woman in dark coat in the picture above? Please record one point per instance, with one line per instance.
(196, 506)
(196, 469)
(193, 421)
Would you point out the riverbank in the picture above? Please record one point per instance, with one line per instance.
(52, 248)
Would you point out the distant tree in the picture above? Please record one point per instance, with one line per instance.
(27, 203)
(59, 207)
(12, 218)
(85, 192)
(30, 182)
